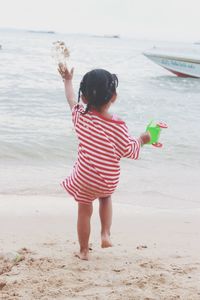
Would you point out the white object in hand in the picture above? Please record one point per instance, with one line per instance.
(60, 52)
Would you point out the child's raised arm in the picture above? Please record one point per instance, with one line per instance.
(67, 77)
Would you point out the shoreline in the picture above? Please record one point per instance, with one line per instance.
(17, 204)
(155, 254)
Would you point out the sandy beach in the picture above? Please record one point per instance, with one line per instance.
(155, 253)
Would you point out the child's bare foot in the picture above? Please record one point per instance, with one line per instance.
(84, 255)
(106, 241)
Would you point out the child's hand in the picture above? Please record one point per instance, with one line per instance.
(145, 138)
(65, 73)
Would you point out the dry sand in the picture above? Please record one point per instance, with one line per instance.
(155, 253)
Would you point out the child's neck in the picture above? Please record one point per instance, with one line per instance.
(104, 111)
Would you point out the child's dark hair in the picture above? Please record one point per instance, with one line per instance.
(97, 86)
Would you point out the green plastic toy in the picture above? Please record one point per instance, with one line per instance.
(154, 129)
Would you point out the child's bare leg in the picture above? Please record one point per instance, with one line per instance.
(83, 228)
(105, 213)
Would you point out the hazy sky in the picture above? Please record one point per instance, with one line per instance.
(153, 19)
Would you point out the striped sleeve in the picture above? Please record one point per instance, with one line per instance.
(132, 147)
(76, 111)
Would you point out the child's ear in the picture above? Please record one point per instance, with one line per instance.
(84, 99)
(114, 97)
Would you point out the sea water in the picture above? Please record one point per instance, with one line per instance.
(38, 145)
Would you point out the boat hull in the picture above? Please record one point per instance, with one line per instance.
(180, 66)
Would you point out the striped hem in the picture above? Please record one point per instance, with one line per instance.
(80, 199)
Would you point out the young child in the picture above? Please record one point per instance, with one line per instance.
(103, 141)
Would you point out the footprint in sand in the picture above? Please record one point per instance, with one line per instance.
(2, 284)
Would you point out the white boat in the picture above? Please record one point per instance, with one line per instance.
(181, 63)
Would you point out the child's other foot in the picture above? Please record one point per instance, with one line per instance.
(106, 241)
(84, 255)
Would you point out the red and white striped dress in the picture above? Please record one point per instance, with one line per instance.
(102, 143)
